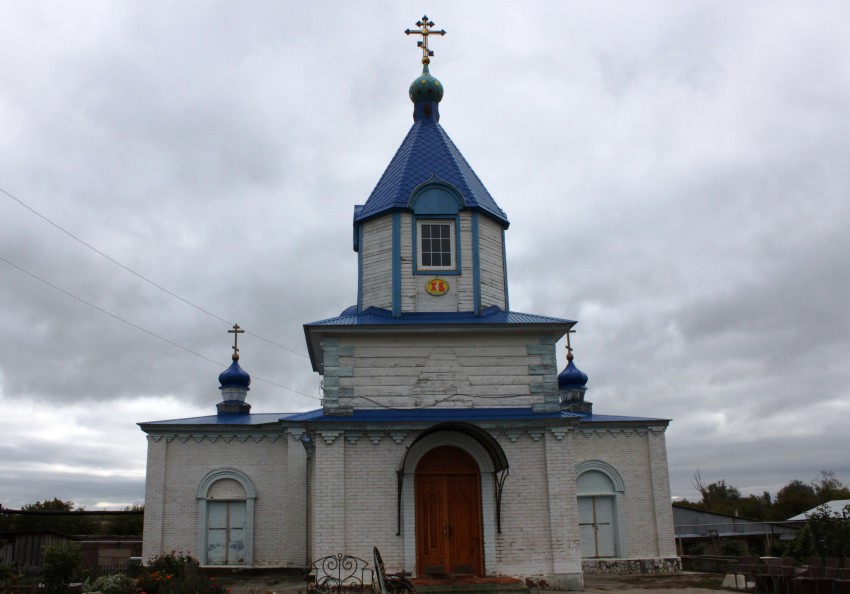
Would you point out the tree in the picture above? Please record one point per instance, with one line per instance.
(717, 496)
(757, 507)
(794, 498)
(69, 523)
(829, 488)
(125, 525)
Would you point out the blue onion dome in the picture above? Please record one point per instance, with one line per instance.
(426, 88)
(571, 377)
(234, 376)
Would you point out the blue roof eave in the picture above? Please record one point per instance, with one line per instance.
(503, 221)
(221, 419)
(371, 319)
(432, 415)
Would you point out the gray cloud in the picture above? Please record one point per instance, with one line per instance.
(675, 177)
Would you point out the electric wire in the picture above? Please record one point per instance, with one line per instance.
(145, 330)
(144, 278)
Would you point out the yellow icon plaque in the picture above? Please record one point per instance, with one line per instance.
(437, 286)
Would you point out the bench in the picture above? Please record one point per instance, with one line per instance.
(390, 583)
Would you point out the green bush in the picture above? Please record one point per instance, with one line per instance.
(59, 565)
(733, 548)
(825, 534)
(8, 576)
(694, 548)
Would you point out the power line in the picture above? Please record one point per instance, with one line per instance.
(144, 278)
(145, 330)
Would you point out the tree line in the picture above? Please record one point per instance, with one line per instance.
(794, 498)
(67, 518)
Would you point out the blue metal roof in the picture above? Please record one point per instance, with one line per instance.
(430, 415)
(225, 419)
(389, 415)
(426, 152)
(439, 415)
(616, 419)
(374, 316)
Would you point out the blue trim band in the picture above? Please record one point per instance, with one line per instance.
(505, 271)
(476, 267)
(360, 268)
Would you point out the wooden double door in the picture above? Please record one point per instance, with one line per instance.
(448, 513)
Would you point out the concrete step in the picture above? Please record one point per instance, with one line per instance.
(479, 585)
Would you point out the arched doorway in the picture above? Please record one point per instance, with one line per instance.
(448, 513)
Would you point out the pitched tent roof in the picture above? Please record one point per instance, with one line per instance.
(427, 152)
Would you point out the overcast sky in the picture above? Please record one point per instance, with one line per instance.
(677, 176)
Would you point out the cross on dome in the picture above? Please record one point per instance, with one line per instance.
(424, 30)
(236, 332)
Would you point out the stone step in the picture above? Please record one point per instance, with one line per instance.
(483, 585)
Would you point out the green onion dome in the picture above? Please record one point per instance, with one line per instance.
(426, 88)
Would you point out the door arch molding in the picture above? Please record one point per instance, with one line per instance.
(203, 496)
(458, 435)
(600, 484)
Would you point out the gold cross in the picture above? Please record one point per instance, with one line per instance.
(424, 30)
(569, 348)
(236, 332)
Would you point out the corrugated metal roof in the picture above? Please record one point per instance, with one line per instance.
(836, 506)
(374, 316)
(615, 418)
(426, 152)
(224, 419)
(388, 415)
(431, 415)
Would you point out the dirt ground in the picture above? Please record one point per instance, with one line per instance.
(685, 582)
(682, 583)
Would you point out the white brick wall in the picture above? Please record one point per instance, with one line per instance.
(640, 458)
(354, 495)
(178, 464)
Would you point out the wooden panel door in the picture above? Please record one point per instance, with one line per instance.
(432, 546)
(448, 513)
(463, 497)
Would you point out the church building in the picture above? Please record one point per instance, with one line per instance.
(446, 436)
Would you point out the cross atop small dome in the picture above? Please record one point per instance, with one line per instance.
(234, 381)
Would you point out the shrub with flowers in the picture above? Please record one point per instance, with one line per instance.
(111, 584)
(8, 576)
(175, 573)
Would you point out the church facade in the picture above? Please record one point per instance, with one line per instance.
(446, 436)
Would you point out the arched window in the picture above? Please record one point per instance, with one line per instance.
(436, 228)
(600, 491)
(226, 518)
